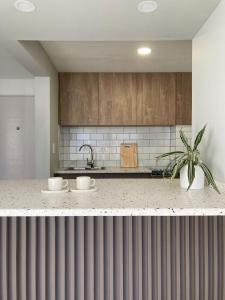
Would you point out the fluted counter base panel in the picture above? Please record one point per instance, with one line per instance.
(112, 258)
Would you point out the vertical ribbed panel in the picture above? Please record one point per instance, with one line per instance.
(60, 258)
(31, 263)
(70, 259)
(112, 258)
(3, 259)
(89, 259)
(108, 258)
(118, 257)
(79, 258)
(21, 258)
(50, 258)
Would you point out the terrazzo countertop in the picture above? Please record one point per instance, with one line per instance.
(107, 170)
(114, 197)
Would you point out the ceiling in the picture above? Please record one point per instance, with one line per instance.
(166, 56)
(103, 35)
(104, 20)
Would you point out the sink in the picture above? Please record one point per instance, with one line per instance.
(84, 168)
(95, 168)
(73, 169)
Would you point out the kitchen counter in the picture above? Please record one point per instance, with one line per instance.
(107, 170)
(114, 197)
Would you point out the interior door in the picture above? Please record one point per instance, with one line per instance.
(16, 137)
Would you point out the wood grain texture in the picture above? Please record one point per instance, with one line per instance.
(156, 98)
(117, 99)
(123, 99)
(78, 99)
(183, 98)
(128, 155)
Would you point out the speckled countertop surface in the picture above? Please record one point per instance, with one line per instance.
(107, 170)
(114, 197)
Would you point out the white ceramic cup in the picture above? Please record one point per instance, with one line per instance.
(85, 182)
(57, 183)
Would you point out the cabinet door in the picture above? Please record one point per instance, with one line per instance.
(78, 99)
(117, 99)
(184, 98)
(156, 98)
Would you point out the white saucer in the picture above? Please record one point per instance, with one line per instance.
(55, 192)
(92, 189)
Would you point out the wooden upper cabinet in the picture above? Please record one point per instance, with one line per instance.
(156, 96)
(117, 99)
(78, 99)
(124, 99)
(184, 98)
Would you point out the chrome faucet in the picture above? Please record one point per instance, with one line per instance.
(90, 162)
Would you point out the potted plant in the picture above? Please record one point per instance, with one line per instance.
(188, 163)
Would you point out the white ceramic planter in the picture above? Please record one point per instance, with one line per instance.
(198, 182)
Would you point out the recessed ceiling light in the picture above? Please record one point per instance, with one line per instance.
(147, 6)
(144, 51)
(24, 6)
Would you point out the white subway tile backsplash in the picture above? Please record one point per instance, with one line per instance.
(110, 163)
(76, 143)
(82, 136)
(76, 129)
(103, 143)
(135, 136)
(122, 136)
(160, 136)
(115, 143)
(143, 156)
(96, 136)
(143, 142)
(116, 129)
(160, 143)
(90, 129)
(130, 129)
(114, 156)
(103, 130)
(151, 140)
(154, 129)
(75, 156)
(143, 129)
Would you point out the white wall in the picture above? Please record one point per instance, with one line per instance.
(209, 89)
(47, 69)
(42, 127)
(16, 87)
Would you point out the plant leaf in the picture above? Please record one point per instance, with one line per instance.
(185, 140)
(191, 173)
(199, 137)
(169, 153)
(178, 167)
(209, 177)
(174, 161)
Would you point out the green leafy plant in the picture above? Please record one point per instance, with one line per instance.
(191, 158)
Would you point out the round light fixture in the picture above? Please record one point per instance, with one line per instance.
(24, 6)
(147, 6)
(144, 51)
